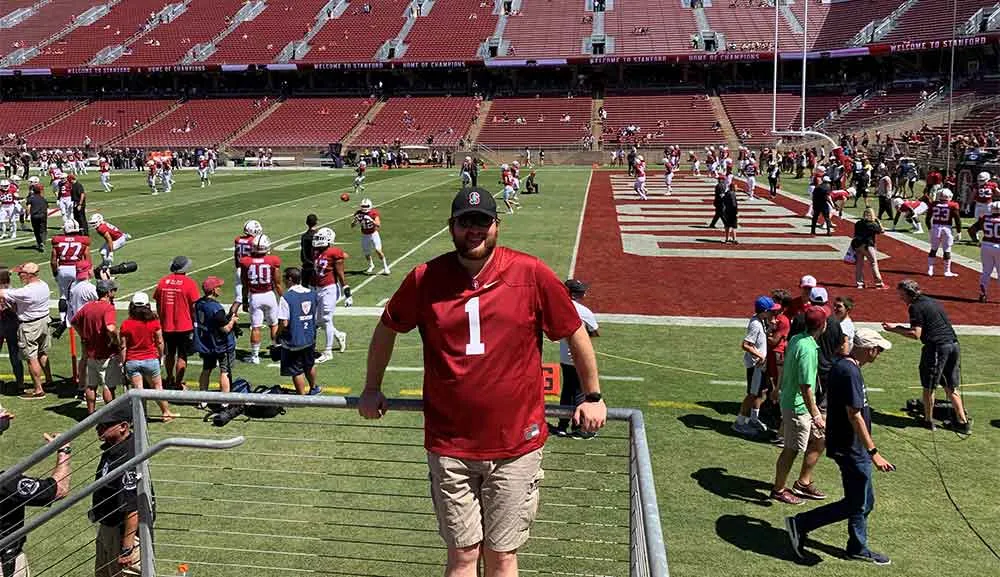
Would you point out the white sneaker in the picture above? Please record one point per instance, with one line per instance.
(385, 271)
(947, 273)
(254, 360)
(758, 425)
(930, 271)
(342, 341)
(154, 193)
(370, 269)
(326, 356)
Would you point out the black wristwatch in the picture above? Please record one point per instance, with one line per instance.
(873, 451)
(593, 397)
(65, 450)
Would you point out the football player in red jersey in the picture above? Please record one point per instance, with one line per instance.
(371, 223)
(986, 193)
(329, 263)
(241, 248)
(113, 236)
(941, 215)
(151, 177)
(507, 179)
(205, 170)
(64, 195)
(989, 250)
(67, 249)
(261, 279)
(640, 177)
(911, 210)
(105, 169)
(8, 208)
(481, 310)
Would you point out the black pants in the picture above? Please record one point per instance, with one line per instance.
(717, 217)
(772, 183)
(475, 179)
(308, 276)
(80, 216)
(38, 226)
(8, 335)
(572, 394)
(884, 207)
(824, 210)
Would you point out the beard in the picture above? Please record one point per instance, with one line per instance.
(475, 245)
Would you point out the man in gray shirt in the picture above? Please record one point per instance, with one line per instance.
(31, 304)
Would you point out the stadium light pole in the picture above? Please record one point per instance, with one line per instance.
(805, 44)
(774, 93)
(951, 85)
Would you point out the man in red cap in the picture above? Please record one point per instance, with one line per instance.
(213, 335)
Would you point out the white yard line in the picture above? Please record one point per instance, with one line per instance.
(393, 264)
(285, 238)
(579, 227)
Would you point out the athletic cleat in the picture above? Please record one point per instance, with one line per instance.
(982, 297)
(342, 342)
(950, 274)
(930, 271)
(370, 269)
(385, 271)
(326, 356)
(254, 359)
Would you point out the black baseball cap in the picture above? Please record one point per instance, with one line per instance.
(469, 200)
(576, 287)
(120, 414)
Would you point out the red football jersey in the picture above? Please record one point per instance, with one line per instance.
(367, 220)
(7, 197)
(152, 170)
(202, 164)
(261, 272)
(943, 213)
(70, 248)
(839, 195)
(508, 178)
(110, 229)
(66, 189)
(105, 167)
(241, 247)
(910, 205)
(483, 396)
(640, 169)
(988, 193)
(990, 223)
(324, 259)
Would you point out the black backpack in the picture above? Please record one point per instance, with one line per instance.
(267, 411)
(221, 416)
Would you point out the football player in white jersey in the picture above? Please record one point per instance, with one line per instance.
(359, 179)
(371, 224)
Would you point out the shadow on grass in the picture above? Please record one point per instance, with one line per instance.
(701, 422)
(995, 423)
(760, 537)
(894, 421)
(74, 410)
(721, 407)
(716, 480)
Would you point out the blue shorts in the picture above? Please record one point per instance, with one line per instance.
(149, 368)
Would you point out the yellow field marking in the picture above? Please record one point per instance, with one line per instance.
(659, 366)
(411, 392)
(676, 405)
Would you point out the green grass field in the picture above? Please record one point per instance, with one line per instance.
(326, 492)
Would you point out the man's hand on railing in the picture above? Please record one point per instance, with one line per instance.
(372, 404)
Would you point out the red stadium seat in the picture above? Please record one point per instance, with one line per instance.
(687, 119)
(101, 121)
(548, 29)
(931, 19)
(445, 118)
(50, 19)
(169, 43)
(306, 122)
(466, 24)
(551, 131)
(20, 117)
(261, 40)
(670, 27)
(198, 123)
(356, 36)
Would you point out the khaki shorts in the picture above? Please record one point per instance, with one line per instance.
(104, 373)
(109, 544)
(20, 566)
(798, 430)
(33, 338)
(489, 502)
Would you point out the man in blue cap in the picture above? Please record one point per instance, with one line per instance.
(755, 361)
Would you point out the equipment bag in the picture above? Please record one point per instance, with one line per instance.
(266, 411)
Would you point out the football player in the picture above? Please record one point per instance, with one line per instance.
(986, 193)
(211, 161)
(371, 223)
(910, 210)
(507, 179)
(359, 180)
(640, 176)
(515, 171)
(939, 218)
(105, 169)
(750, 171)
(65, 196)
(989, 250)
(113, 236)
(68, 249)
(167, 174)
(695, 163)
(838, 199)
(205, 170)
(260, 275)
(242, 247)
(151, 176)
(466, 173)
(329, 262)
(8, 208)
(668, 174)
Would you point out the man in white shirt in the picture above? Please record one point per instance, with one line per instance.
(572, 394)
(31, 305)
(81, 292)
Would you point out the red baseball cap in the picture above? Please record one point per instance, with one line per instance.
(212, 283)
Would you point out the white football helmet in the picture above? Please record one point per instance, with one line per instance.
(70, 226)
(261, 244)
(468, 159)
(102, 159)
(366, 204)
(362, 164)
(896, 203)
(33, 180)
(503, 167)
(15, 178)
(252, 228)
(96, 219)
(945, 195)
(4, 183)
(984, 177)
(995, 207)
(324, 237)
(516, 164)
(821, 169)
(640, 158)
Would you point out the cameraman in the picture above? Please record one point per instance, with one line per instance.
(214, 334)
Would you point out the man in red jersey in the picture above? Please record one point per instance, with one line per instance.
(481, 311)
(987, 192)
(260, 273)
(68, 249)
(105, 169)
(241, 248)
(113, 236)
(990, 248)
(371, 223)
(65, 195)
(939, 219)
(9, 202)
(330, 284)
(175, 294)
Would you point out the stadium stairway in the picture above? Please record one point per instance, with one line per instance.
(596, 125)
(358, 128)
(44, 20)
(253, 122)
(472, 134)
(141, 127)
(727, 126)
(49, 122)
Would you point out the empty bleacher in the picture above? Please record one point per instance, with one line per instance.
(542, 122)
(357, 35)
(687, 119)
(50, 19)
(81, 45)
(670, 27)
(745, 25)
(832, 26)
(752, 112)
(101, 121)
(306, 122)
(452, 30)
(198, 123)
(19, 117)
(445, 118)
(170, 42)
(548, 28)
(931, 19)
(882, 105)
(261, 40)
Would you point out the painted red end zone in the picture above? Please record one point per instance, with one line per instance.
(722, 287)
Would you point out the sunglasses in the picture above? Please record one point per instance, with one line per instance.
(476, 220)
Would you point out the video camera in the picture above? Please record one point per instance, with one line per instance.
(106, 270)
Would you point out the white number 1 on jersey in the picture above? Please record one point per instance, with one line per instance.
(475, 345)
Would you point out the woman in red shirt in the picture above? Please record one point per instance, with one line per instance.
(142, 347)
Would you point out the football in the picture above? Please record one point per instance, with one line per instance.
(345, 197)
